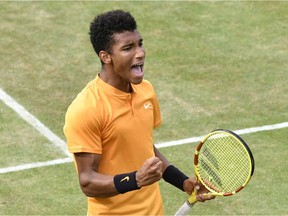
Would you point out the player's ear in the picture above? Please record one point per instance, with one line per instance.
(105, 57)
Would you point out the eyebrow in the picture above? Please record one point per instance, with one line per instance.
(130, 43)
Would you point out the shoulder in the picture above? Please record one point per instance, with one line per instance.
(85, 103)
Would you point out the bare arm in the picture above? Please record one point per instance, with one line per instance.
(92, 183)
(95, 184)
(165, 162)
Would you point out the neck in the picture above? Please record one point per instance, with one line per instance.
(116, 81)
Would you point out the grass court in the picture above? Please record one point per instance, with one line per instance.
(214, 64)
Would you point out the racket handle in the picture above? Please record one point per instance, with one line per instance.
(184, 209)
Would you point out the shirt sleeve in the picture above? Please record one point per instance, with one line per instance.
(82, 130)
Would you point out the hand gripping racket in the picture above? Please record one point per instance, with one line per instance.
(223, 163)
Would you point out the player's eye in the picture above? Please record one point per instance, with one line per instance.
(126, 49)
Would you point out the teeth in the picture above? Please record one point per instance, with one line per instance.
(138, 65)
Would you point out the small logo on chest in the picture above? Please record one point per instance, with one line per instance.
(148, 106)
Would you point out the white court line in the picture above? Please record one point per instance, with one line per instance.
(160, 145)
(35, 165)
(239, 132)
(9, 101)
(32, 120)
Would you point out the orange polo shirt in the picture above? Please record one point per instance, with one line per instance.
(119, 126)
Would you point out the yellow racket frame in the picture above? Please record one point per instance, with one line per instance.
(221, 132)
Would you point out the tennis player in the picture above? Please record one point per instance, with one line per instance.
(109, 127)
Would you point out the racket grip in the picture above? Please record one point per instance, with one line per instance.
(184, 209)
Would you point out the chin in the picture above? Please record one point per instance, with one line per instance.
(137, 81)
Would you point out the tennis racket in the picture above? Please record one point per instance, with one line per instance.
(223, 163)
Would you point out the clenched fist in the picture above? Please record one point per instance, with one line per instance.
(150, 172)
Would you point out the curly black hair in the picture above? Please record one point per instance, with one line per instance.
(104, 27)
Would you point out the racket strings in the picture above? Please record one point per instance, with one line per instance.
(223, 164)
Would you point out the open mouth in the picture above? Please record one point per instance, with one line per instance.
(138, 68)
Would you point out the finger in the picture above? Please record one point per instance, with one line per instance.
(153, 160)
(157, 169)
(204, 197)
(157, 165)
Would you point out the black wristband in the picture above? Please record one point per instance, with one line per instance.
(174, 176)
(125, 182)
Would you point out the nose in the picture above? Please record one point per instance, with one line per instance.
(140, 53)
